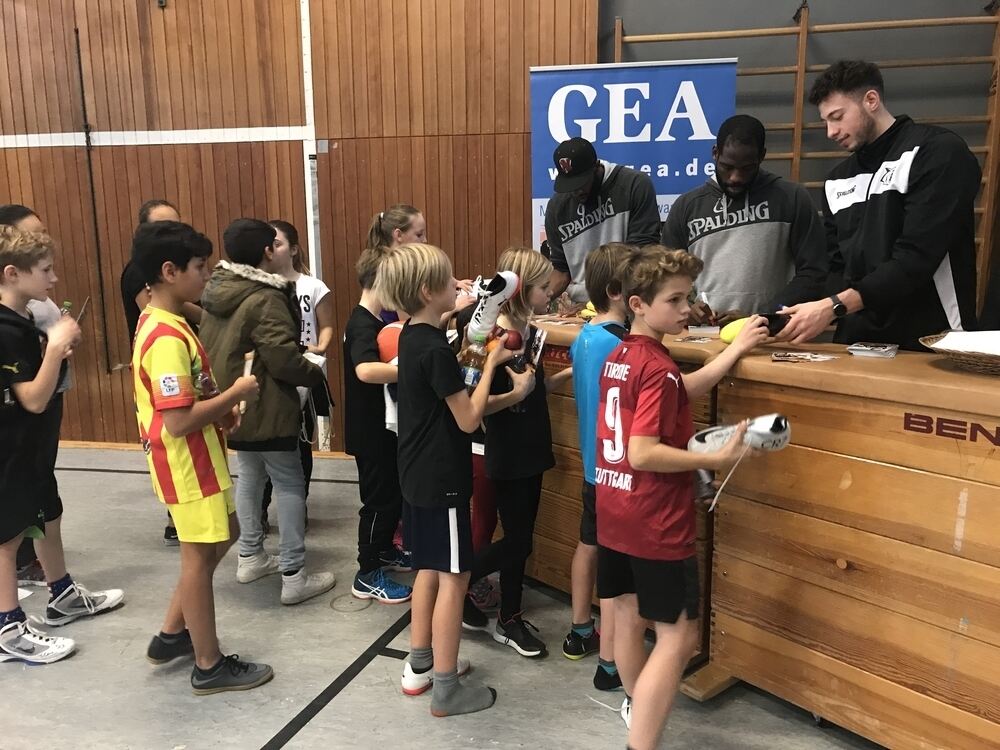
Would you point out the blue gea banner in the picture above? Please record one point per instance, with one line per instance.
(659, 117)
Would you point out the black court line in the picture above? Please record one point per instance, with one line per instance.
(342, 680)
(146, 473)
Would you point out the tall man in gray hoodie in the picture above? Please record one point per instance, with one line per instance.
(760, 236)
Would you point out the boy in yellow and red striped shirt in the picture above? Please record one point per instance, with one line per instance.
(182, 418)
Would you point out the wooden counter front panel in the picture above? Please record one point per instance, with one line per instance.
(942, 513)
(935, 440)
(846, 695)
(956, 595)
(917, 656)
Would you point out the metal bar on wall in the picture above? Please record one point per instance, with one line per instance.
(89, 151)
(802, 16)
(987, 226)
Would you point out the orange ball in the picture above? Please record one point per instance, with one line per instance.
(492, 344)
(388, 342)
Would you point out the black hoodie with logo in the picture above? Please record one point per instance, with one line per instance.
(761, 250)
(901, 231)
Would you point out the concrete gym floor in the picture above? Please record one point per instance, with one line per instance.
(336, 666)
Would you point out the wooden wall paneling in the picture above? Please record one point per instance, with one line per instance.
(547, 33)
(517, 99)
(560, 39)
(502, 62)
(114, 40)
(260, 86)
(459, 60)
(10, 102)
(473, 35)
(39, 86)
(488, 73)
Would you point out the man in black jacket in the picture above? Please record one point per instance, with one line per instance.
(899, 221)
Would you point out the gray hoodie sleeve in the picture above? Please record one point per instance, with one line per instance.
(644, 215)
(675, 234)
(557, 254)
(807, 244)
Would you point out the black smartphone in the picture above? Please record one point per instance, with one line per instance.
(775, 322)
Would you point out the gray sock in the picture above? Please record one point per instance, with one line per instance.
(451, 697)
(421, 659)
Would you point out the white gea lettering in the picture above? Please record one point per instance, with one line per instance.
(686, 106)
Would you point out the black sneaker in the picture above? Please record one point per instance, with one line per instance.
(31, 575)
(230, 674)
(604, 680)
(161, 651)
(577, 646)
(472, 617)
(170, 537)
(515, 633)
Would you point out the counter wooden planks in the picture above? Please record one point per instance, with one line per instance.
(856, 573)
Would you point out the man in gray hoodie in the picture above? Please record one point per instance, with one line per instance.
(760, 236)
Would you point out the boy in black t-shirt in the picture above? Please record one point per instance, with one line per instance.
(371, 444)
(436, 418)
(30, 413)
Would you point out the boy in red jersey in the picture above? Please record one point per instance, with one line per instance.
(181, 418)
(645, 495)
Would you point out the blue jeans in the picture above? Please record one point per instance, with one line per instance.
(285, 470)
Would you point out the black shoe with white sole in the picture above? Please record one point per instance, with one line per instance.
(472, 617)
(516, 633)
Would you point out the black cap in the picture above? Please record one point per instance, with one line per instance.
(575, 162)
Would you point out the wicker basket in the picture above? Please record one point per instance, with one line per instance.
(988, 364)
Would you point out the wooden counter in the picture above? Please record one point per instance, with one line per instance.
(856, 573)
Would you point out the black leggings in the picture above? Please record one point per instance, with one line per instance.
(517, 505)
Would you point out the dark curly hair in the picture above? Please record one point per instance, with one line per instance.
(847, 77)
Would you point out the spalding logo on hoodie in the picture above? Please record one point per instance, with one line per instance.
(727, 218)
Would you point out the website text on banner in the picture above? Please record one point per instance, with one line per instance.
(660, 118)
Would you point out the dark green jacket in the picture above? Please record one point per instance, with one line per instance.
(247, 309)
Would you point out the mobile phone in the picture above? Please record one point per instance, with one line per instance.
(775, 322)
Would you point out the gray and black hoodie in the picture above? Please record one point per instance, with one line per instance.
(624, 210)
(762, 250)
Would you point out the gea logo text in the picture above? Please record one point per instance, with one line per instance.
(627, 120)
(954, 429)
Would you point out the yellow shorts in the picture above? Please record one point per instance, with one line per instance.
(204, 521)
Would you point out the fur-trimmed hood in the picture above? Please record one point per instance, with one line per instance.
(232, 283)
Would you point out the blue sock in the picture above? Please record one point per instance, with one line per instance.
(15, 615)
(57, 587)
(585, 630)
(607, 666)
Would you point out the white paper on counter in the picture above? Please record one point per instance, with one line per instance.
(971, 342)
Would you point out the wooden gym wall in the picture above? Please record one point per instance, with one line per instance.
(426, 102)
(418, 101)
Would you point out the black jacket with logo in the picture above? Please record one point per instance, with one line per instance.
(901, 231)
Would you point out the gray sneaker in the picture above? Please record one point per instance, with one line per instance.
(230, 674)
(76, 602)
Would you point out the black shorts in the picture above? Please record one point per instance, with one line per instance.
(588, 517)
(438, 538)
(664, 588)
